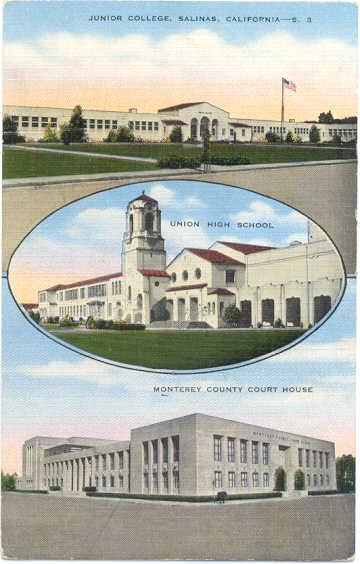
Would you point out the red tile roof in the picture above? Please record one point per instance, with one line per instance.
(153, 272)
(173, 122)
(221, 292)
(246, 248)
(190, 287)
(179, 106)
(30, 306)
(83, 282)
(237, 124)
(214, 256)
(144, 198)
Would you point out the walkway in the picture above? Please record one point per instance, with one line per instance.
(82, 154)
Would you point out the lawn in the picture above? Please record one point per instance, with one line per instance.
(257, 154)
(180, 350)
(24, 164)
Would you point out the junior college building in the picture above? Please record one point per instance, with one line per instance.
(296, 285)
(192, 455)
(192, 117)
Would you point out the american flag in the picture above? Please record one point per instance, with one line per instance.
(288, 84)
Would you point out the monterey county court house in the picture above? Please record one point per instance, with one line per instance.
(192, 117)
(192, 455)
(295, 285)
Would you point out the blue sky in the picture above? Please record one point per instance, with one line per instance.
(29, 19)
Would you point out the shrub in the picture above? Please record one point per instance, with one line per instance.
(232, 315)
(289, 137)
(54, 488)
(259, 325)
(176, 135)
(109, 324)
(314, 135)
(272, 137)
(299, 480)
(68, 322)
(175, 161)
(128, 326)
(100, 324)
(10, 132)
(89, 489)
(121, 135)
(192, 498)
(228, 161)
(278, 323)
(323, 492)
(33, 491)
(280, 480)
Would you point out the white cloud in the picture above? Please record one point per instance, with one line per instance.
(98, 224)
(301, 237)
(340, 351)
(262, 212)
(169, 198)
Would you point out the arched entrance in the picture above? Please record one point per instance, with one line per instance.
(322, 304)
(293, 312)
(204, 125)
(245, 307)
(181, 309)
(267, 307)
(214, 128)
(194, 129)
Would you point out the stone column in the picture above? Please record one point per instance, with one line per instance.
(151, 458)
(170, 465)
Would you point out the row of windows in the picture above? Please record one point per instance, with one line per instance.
(108, 462)
(231, 450)
(165, 481)
(258, 129)
(35, 121)
(342, 132)
(116, 287)
(277, 129)
(229, 275)
(232, 132)
(244, 480)
(317, 456)
(154, 445)
(144, 126)
(301, 130)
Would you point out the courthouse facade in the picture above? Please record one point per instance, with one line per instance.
(191, 455)
(192, 117)
(293, 286)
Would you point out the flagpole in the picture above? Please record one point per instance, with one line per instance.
(282, 110)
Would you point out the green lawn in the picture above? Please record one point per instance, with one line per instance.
(24, 164)
(180, 350)
(257, 154)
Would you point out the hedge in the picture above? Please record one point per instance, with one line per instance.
(89, 489)
(229, 161)
(192, 499)
(174, 161)
(32, 491)
(323, 492)
(54, 488)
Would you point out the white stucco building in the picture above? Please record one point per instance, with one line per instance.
(192, 117)
(294, 285)
(191, 455)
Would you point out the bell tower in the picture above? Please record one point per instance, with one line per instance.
(143, 245)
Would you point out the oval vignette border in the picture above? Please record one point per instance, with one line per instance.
(145, 369)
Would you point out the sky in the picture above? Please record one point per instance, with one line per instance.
(51, 390)
(59, 57)
(83, 240)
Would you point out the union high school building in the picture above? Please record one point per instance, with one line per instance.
(191, 455)
(297, 284)
(192, 117)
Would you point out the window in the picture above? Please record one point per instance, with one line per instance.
(146, 452)
(321, 480)
(156, 125)
(213, 308)
(314, 457)
(255, 479)
(146, 481)
(15, 120)
(97, 463)
(255, 452)
(230, 276)
(97, 291)
(165, 450)
(107, 124)
(265, 453)
(231, 479)
(82, 293)
(165, 481)
(185, 275)
(231, 450)
(315, 480)
(103, 461)
(121, 480)
(53, 122)
(114, 124)
(137, 125)
(176, 481)
(35, 122)
(308, 481)
(176, 448)
(99, 123)
(266, 480)
(112, 460)
(300, 456)
(326, 460)
(155, 483)
(217, 448)
(104, 481)
(121, 459)
(231, 132)
(321, 459)
(173, 277)
(112, 481)
(71, 295)
(307, 454)
(155, 451)
(243, 451)
(244, 479)
(150, 125)
(143, 126)
(327, 479)
(198, 273)
(25, 121)
(92, 124)
(218, 479)
(157, 283)
(243, 132)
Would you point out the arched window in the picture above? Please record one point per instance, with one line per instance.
(129, 293)
(139, 301)
(213, 308)
(173, 277)
(149, 222)
(131, 224)
(185, 275)
(197, 273)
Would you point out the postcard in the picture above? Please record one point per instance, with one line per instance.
(179, 280)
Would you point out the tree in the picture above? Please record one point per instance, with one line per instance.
(272, 137)
(176, 135)
(280, 480)
(232, 315)
(50, 135)
(326, 117)
(206, 148)
(123, 134)
(10, 132)
(299, 480)
(345, 473)
(74, 131)
(289, 137)
(8, 482)
(314, 134)
(336, 139)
